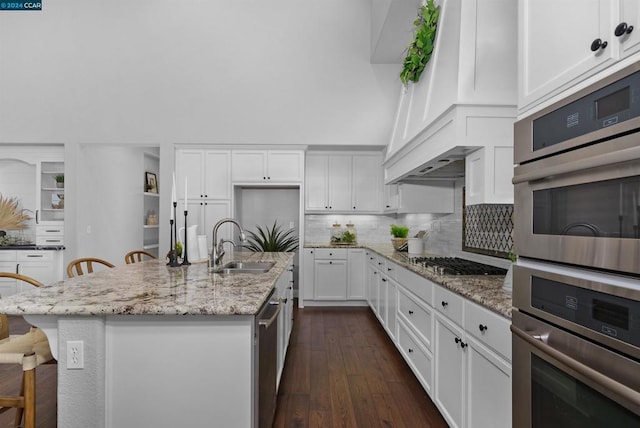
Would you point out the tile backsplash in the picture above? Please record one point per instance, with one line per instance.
(489, 233)
(488, 229)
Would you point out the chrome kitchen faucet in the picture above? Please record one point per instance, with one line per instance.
(217, 251)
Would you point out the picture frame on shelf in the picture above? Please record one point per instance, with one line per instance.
(151, 183)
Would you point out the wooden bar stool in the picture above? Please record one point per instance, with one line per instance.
(29, 351)
(137, 256)
(87, 262)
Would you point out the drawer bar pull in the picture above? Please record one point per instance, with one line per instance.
(410, 312)
(444, 304)
(482, 327)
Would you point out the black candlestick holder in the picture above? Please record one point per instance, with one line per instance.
(185, 259)
(173, 257)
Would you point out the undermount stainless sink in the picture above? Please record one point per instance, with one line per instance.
(244, 267)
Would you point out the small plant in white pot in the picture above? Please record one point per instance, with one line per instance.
(59, 180)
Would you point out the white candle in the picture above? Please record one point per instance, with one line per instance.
(173, 189)
(171, 214)
(185, 193)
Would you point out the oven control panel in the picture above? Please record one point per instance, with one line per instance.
(611, 315)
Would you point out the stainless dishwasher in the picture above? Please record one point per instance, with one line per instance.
(266, 359)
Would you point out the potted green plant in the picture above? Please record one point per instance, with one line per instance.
(59, 180)
(399, 234)
(272, 239)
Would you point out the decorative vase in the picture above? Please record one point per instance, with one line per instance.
(60, 185)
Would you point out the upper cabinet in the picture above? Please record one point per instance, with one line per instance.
(267, 166)
(466, 97)
(563, 43)
(208, 173)
(343, 182)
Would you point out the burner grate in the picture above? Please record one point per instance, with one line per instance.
(457, 266)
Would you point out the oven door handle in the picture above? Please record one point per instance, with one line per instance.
(587, 372)
(610, 158)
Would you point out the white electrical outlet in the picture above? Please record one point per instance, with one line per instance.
(75, 354)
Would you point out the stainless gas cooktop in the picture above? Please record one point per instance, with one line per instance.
(456, 266)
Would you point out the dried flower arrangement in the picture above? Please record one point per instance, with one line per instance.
(10, 216)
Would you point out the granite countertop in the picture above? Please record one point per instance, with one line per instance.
(152, 288)
(485, 290)
(32, 247)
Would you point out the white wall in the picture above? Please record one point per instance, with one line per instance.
(159, 71)
(109, 186)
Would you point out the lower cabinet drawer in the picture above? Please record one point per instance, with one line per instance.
(488, 327)
(35, 256)
(416, 315)
(416, 355)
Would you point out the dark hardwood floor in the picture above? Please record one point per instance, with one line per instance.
(341, 371)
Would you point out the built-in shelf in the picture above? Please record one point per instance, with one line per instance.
(151, 205)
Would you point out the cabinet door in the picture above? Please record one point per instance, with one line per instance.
(215, 211)
(383, 287)
(356, 285)
(217, 174)
(555, 45)
(316, 183)
(487, 370)
(308, 277)
(330, 279)
(392, 306)
(249, 165)
(450, 371)
(284, 166)
(367, 183)
(391, 197)
(630, 15)
(340, 183)
(190, 165)
(39, 265)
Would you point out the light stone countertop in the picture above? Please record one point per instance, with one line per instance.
(485, 290)
(152, 288)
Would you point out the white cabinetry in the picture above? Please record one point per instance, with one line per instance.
(42, 265)
(284, 291)
(456, 348)
(488, 174)
(356, 283)
(208, 174)
(343, 182)
(564, 43)
(336, 276)
(272, 166)
(430, 197)
(468, 359)
(50, 195)
(330, 274)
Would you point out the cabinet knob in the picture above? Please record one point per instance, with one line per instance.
(482, 327)
(410, 312)
(375, 273)
(379, 263)
(206, 196)
(264, 178)
(623, 29)
(354, 208)
(331, 254)
(285, 300)
(410, 349)
(444, 304)
(388, 206)
(598, 44)
(384, 279)
(389, 269)
(462, 344)
(290, 288)
(330, 262)
(268, 178)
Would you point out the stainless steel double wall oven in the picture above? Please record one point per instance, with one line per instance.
(576, 323)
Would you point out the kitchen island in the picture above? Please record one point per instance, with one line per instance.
(159, 346)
